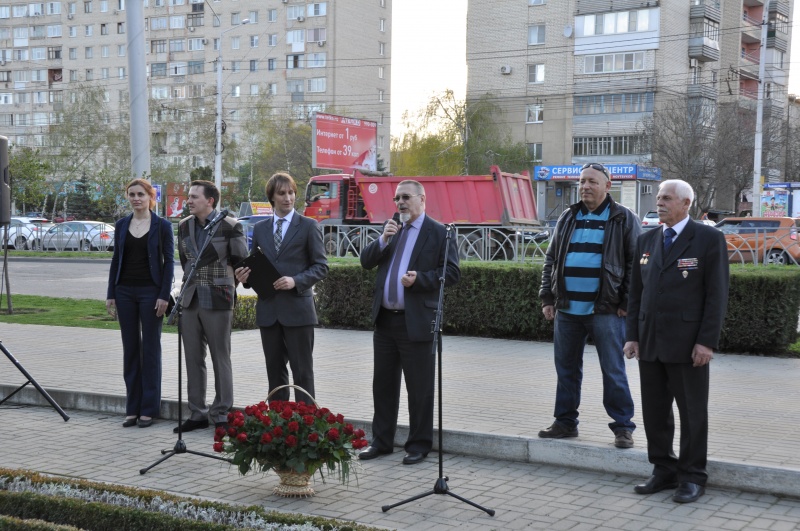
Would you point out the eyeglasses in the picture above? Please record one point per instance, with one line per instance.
(404, 197)
(596, 166)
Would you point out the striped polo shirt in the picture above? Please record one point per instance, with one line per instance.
(584, 259)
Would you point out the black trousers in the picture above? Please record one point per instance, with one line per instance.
(687, 386)
(293, 345)
(395, 356)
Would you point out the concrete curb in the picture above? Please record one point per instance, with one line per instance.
(560, 453)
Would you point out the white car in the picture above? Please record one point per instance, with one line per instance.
(650, 220)
(79, 235)
(20, 234)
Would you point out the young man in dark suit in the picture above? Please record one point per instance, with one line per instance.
(208, 303)
(286, 317)
(679, 293)
(410, 262)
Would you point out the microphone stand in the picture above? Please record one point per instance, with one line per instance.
(177, 310)
(440, 487)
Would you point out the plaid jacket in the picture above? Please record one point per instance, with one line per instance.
(213, 282)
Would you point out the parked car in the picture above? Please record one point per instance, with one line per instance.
(79, 235)
(650, 220)
(762, 240)
(62, 219)
(247, 225)
(20, 234)
(533, 236)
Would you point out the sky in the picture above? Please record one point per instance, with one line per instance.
(429, 54)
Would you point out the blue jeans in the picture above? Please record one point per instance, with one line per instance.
(608, 333)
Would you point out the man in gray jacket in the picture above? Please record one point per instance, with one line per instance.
(585, 284)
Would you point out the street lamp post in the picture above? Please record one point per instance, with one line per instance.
(218, 144)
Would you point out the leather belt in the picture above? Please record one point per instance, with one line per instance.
(389, 310)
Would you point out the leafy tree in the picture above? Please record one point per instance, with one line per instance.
(28, 178)
(451, 137)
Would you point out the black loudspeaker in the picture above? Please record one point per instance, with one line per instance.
(5, 184)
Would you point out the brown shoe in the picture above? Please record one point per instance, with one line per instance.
(623, 439)
(558, 431)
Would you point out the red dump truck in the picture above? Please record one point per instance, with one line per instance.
(491, 212)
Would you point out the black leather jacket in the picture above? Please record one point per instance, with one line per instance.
(619, 244)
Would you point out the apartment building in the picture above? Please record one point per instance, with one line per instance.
(576, 78)
(307, 55)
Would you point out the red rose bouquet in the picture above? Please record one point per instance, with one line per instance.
(289, 435)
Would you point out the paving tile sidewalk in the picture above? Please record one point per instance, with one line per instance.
(491, 386)
(94, 446)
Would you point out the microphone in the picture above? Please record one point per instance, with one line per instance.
(222, 215)
(396, 219)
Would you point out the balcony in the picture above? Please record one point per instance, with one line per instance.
(705, 9)
(703, 49)
(702, 90)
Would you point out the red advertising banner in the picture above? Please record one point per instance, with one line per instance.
(342, 143)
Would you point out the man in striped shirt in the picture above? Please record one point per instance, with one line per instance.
(585, 283)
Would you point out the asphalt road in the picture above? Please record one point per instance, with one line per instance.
(64, 277)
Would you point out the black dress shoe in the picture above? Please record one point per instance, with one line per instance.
(412, 458)
(371, 452)
(688, 492)
(191, 425)
(655, 484)
(129, 422)
(145, 423)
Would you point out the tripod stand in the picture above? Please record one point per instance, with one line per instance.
(440, 487)
(30, 381)
(180, 445)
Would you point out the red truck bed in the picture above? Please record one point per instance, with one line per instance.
(495, 199)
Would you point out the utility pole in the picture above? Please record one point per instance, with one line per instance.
(760, 113)
(137, 88)
(790, 99)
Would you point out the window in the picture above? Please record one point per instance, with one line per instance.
(160, 93)
(380, 119)
(89, 74)
(5, 12)
(317, 10)
(294, 86)
(316, 60)
(253, 65)
(295, 36)
(381, 48)
(316, 35)
(196, 44)
(253, 41)
(613, 103)
(536, 2)
(536, 73)
(380, 72)
(54, 31)
(272, 15)
(295, 11)
(103, 29)
(195, 20)
(104, 6)
(695, 74)
(316, 84)
(235, 66)
(120, 28)
(158, 46)
(235, 91)
(195, 67)
(215, 21)
(382, 24)
(176, 22)
(158, 23)
(272, 40)
(73, 31)
(612, 23)
(253, 16)
(606, 145)
(176, 45)
(535, 152)
(535, 114)
(536, 34)
(158, 69)
(121, 72)
(254, 89)
(104, 51)
(104, 73)
(177, 69)
(236, 19)
(380, 95)
(73, 75)
(779, 22)
(294, 61)
(54, 52)
(88, 30)
(38, 54)
(121, 50)
(178, 93)
(89, 52)
(235, 43)
(87, 7)
(617, 62)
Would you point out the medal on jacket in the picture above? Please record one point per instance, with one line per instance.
(645, 257)
(685, 274)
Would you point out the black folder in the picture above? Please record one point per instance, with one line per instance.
(262, 273)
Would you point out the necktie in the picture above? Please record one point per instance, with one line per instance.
(669, 237)
(395, 269)
(279, 235)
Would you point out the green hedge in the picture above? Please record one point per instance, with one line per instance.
(501, 300)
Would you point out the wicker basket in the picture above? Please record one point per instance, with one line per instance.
(293, 484)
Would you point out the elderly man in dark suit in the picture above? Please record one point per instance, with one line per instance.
(208, 303)
(679, 293)
(410, 262)
(286, 317)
